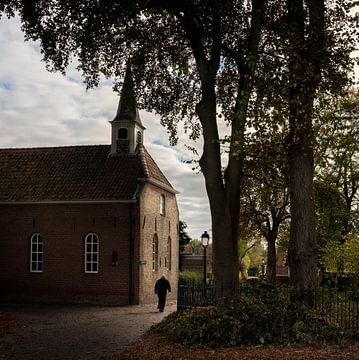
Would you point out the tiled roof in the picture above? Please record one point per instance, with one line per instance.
(151, 170)
(73, 173)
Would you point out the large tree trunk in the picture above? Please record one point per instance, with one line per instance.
(302, 246)
(225, 251)
(305, 52)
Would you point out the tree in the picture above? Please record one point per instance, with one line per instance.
(309, 57)
(316, 60)
(337, 156)
(305, 53)
(184, 238)
(196, 247)
(331, 213)
(337, 171)
(345, 256)
(266, 194)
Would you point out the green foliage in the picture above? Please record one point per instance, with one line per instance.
(337, 125)
(344, 256)
(244, 251)
(266, 317)
(331, 212)
(190, 278)
(196, 246)
(184, 238)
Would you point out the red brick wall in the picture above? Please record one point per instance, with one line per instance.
(191, 262)
(64, 228)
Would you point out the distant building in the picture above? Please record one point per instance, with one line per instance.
(95, 223)
(282, 269)
(193, 262)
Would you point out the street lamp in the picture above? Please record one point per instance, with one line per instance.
(205, 241)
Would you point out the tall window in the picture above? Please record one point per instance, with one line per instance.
(162, 204)
(91, 253)
(169, 250)
(36, 253)
(155, 253)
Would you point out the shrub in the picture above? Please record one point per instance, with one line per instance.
(249, 319)
(190, 278)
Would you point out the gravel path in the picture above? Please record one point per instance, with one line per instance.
(66, 332)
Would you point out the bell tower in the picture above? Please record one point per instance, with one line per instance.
(127, 129)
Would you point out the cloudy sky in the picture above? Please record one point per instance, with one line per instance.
(38, 108)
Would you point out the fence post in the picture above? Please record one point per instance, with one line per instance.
(180, 298)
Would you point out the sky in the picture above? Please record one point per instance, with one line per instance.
(43, 109)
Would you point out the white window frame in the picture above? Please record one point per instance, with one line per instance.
(162, 204)
(36, 249)
(92, 239)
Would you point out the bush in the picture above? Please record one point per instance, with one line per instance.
(249, 319)
(190, 278)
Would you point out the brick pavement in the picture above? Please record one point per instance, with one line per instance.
(66, 332)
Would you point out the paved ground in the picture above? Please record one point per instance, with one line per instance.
(74, 332)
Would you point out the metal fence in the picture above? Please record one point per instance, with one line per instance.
(337, 307)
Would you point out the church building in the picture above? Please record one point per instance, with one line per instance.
(94, 223)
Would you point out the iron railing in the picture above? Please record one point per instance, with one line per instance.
(337, 307)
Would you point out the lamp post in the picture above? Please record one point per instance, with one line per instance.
(205, 241)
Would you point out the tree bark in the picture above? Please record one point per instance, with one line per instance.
(305, 51)
(225, 255)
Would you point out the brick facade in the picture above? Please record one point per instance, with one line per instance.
(64, 228)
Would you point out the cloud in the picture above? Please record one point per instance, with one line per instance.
(39, 108)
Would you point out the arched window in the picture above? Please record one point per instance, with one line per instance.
(36, 253)
(122, 134)
(155, 253)
(91, 253)
(169, 252)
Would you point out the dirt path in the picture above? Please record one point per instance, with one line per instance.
(69, 332)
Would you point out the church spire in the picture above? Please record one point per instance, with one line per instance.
(127, 109)
(127, 128)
